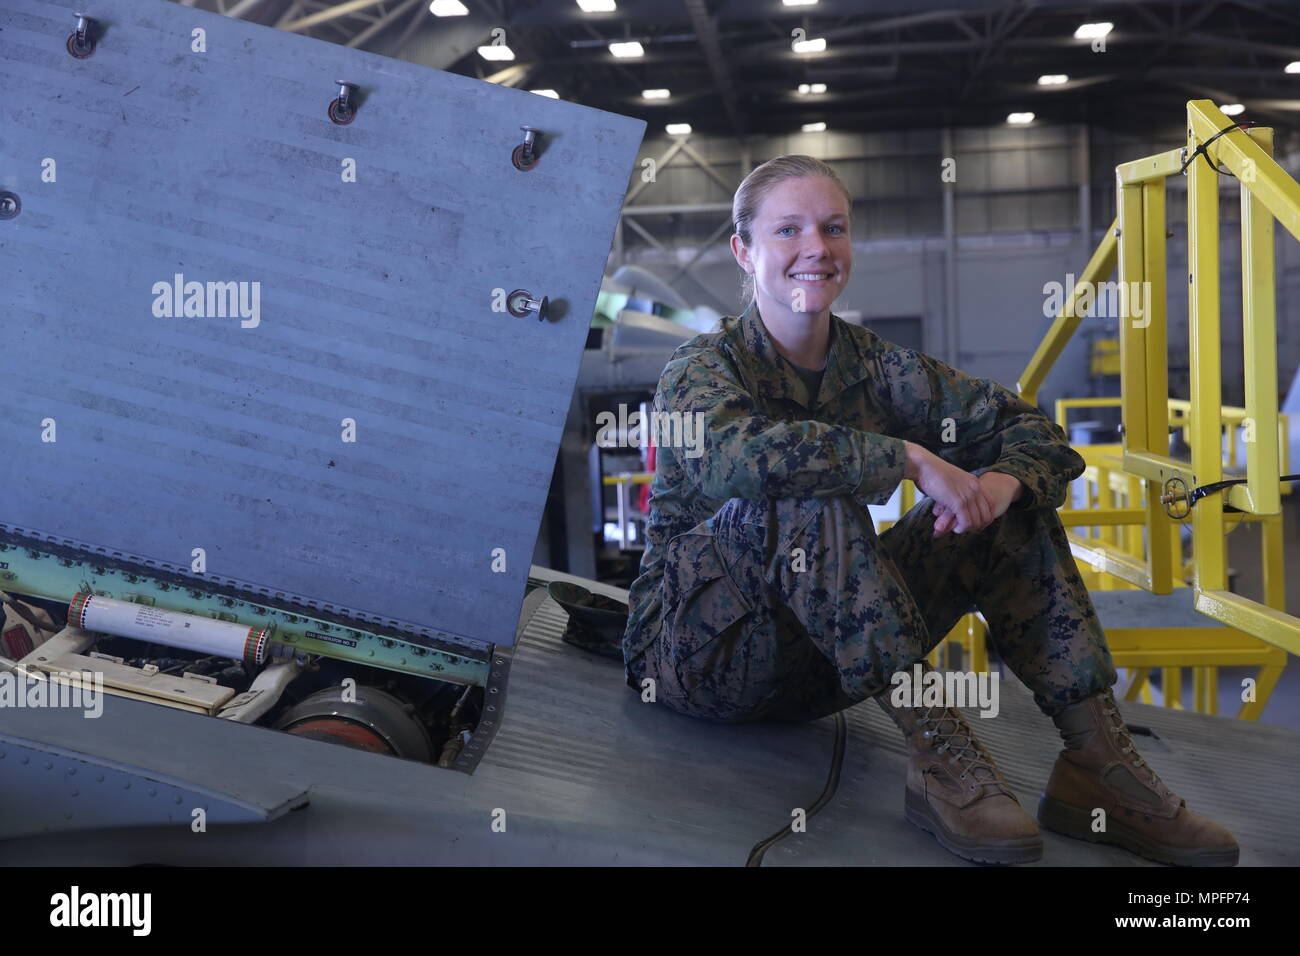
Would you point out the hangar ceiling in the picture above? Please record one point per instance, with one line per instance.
(730, 69)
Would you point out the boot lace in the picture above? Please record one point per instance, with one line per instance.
(951, 734)
(1126, 746)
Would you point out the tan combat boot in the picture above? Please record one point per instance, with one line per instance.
(955, 791)
(1100, 768)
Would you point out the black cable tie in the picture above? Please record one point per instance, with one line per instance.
(1200, 150)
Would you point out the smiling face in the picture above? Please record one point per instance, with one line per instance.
(800, 254)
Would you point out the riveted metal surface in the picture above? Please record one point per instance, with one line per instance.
(47, 789)
(583, 771)
(328, 309)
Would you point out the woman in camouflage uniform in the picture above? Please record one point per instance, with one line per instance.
(765, 593)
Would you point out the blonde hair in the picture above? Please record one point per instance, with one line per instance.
(749, 197)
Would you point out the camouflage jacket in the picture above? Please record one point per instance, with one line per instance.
(764, 436)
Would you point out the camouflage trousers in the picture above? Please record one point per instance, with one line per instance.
(747, 635)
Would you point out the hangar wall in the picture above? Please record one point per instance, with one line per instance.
(1024, 199)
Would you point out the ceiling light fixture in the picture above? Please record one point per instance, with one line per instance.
(448, 8)
(809, 46)
(1093, 31)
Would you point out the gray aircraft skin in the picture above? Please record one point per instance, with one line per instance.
(357, 451)
(581, 772)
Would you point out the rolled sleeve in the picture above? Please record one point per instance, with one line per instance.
(975, 423)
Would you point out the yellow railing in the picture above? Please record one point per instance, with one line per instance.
(1137, 542)
(1098, 269)
(1231, 419)
(1267, 192)
(1234, 417)
(1111, 519)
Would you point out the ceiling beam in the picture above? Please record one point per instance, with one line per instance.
(707, 32)
(327, 15)
(1012, 17)
(383, 22)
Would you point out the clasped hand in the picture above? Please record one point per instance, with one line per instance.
(962, 501)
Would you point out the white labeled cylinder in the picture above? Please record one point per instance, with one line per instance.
(172, 628)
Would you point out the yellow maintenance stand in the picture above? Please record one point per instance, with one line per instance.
(1154, 613)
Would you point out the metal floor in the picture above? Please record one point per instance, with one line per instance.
(1245, 776)
(587, 774)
